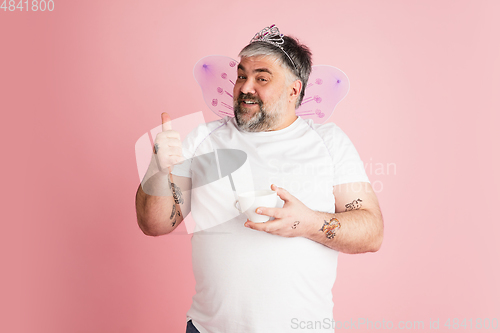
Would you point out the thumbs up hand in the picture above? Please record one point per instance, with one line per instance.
(168, 145)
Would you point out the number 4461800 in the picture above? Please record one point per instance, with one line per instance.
(36, 5)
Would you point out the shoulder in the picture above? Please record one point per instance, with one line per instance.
(337, 142)
(203, 130)
(200, 133)
(329, 132)
(223, 123)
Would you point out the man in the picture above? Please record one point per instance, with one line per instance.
(277, 275)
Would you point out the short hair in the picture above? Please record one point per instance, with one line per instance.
(299, 53)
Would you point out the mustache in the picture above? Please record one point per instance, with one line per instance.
(249, 97)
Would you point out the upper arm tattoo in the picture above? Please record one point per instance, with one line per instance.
(356, 204)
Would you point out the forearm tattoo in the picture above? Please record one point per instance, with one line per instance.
(356, 204)
(173, 215)
(176, 192)
(295, 224)
(330, 228)
(173, 212)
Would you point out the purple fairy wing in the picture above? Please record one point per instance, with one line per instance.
(216, 76)
(326, 87)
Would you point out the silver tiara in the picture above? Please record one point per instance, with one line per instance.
(272, 35)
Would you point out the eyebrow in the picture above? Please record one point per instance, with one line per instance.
(258, 70)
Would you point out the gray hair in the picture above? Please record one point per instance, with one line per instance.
(298, 53)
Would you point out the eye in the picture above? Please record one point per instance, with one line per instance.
(241, 77)
(261, 79)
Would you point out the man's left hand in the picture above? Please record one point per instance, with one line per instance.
(289, 221)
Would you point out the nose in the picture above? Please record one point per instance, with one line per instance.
(247, 87)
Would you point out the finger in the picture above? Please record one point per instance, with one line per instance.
(173, 161)
(272, 212)
(168, 160)
(173, 142)
(175, 151)
(166, 150)
(167, 141)
(282, 193)
(250, 224)
(172, 134)
(166, 122)
(179, 159)
(269, 226)
(172, 137)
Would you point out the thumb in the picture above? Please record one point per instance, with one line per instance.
(166, 122)
(282, 193)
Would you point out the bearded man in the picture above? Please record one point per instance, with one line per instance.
(275, 276)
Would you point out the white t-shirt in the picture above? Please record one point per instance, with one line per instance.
(252, 281)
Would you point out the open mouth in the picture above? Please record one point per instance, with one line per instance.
(249, 103)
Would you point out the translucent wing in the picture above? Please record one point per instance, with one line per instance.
(327, 86)
(216, 75)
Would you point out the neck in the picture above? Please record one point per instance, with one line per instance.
(287, 120)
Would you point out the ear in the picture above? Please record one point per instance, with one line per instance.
(295, 90)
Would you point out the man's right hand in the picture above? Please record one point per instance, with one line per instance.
(163, 199)
(168, 145)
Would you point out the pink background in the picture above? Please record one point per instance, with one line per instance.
(79, 86)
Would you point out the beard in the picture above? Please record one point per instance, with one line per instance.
(266, 118)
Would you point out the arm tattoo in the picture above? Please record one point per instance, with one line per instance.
(172, 216)
(356, 204)
(173, 212)
(330, 228)
(176, 192)
(295, 224)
